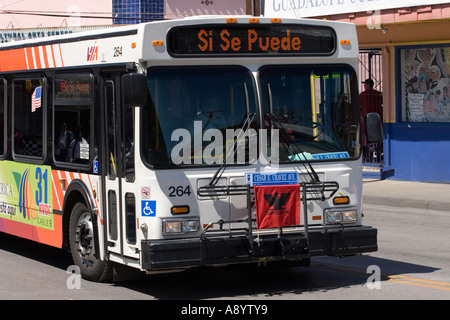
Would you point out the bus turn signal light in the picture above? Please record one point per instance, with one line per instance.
(180, 209)
(341, 200)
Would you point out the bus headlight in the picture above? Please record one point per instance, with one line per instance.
(179, 226)
(340, 215)
(349, 216)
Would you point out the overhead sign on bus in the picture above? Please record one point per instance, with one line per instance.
(251, 39)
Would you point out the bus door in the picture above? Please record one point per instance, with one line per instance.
(119, 180)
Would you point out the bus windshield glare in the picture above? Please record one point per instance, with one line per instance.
(315, 109)
(192, 109)
(196, 115)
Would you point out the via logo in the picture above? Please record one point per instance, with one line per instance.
(92, 52)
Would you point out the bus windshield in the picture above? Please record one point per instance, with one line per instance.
(192, 110)
(315, 109)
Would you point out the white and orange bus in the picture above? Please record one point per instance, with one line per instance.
(183, 143)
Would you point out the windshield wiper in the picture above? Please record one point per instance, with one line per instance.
(287, 139)
(244, 125)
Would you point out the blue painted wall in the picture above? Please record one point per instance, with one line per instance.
(418, 151)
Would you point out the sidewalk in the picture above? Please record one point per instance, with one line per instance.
(420, 195)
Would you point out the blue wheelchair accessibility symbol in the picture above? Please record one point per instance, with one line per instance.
(148, 208)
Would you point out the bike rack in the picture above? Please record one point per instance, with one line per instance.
(308, 191)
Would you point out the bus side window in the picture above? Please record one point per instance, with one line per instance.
(130, 214)
(28, 111)
(73, 119)
(129, 144)
(111, 129)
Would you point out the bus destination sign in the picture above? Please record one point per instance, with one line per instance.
(254, 39)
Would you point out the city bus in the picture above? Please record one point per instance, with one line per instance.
(175, 144)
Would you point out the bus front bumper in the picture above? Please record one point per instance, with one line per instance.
(191, 252)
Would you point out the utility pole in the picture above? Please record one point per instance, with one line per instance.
(253, 7)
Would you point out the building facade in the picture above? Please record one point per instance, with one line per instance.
(405, 50)
(411, 48)
(415, 47)
(137, 11)
(54, 14)
(414, 44)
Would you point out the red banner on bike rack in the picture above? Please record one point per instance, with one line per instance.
(277, 206)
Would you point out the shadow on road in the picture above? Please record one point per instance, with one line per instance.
(270, 282)
(325, 273)
(46, 254)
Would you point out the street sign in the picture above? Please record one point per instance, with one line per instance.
(271, 178)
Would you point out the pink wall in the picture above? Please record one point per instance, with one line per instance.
(57, 7)
(390, 16)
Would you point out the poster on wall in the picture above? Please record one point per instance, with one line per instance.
(425, 77)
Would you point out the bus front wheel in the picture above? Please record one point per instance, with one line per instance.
(82, 246)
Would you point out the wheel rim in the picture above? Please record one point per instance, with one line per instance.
(84, 239)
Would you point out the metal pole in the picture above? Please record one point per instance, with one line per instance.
(249, 7)
(253, 7)
(257, 7)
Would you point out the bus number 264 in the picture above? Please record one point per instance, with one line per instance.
(179, 191)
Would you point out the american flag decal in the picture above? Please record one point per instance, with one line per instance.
(36, 99)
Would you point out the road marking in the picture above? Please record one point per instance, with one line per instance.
(408, 280)
(420, 282)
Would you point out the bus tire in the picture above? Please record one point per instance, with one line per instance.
(82, 246)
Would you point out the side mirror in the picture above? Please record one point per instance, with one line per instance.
(374, 128)
(135, 90)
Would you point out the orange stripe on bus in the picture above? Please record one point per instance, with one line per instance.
(37, 57)
(100, 213)
(62, 176)
(51, 237)
(30, 58)
(58, 195)
(13, 60)
(17, 59)
(27, 231)
(60, 53)
(26, 58)
(16, 228)
(44, 52)
(92, 187)
(53, 57)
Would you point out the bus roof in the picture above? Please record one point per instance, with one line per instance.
(126, 43)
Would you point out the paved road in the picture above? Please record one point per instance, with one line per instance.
(413, 262)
